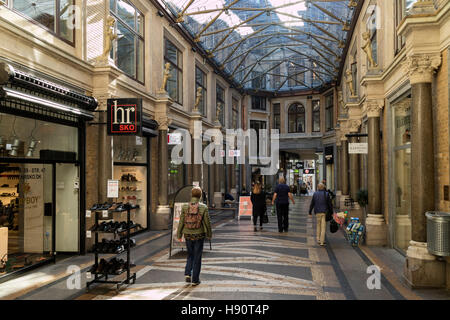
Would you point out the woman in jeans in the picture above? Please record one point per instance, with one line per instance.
(282, 195)
(195, 225)
(258, 199)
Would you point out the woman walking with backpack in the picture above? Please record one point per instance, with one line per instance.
(258, 199)
(195, 225)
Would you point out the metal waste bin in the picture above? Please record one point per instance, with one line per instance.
(438, 233)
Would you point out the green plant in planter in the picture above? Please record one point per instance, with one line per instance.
(362, 197)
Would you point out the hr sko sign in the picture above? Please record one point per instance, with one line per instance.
(124, 116)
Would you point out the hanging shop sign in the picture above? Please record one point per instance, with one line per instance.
(124, 116)
(358, 148)
(288, 165)
(234, 153)
(299, 165)
(308, 171)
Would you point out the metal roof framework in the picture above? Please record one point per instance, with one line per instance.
(259, 42)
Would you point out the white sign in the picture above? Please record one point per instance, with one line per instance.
(174, 138)
(113, 188)
(234, 153)
(196, 183)
(88, 213)
(358, 148)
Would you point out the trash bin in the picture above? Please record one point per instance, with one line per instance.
(438, 233)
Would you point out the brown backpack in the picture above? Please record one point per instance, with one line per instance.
(193, 219)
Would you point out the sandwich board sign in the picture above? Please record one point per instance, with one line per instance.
(245, 207)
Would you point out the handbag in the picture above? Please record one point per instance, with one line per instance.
(333, 226)
(265, 218)
(329, 213)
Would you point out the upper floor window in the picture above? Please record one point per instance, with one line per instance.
(57, 16)
(329, 112)
(316, 115)
(220, 104)
(296, 114)
(174, 86)
(258, 103)
(401, 9)
(200, 82)
(276, 116)
(128, 48)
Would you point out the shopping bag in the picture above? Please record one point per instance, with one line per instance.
(265, 218)
(333, 226)
(273, 211)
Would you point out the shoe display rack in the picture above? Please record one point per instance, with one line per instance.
(103, 271)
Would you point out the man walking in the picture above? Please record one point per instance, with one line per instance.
(282, 195)
(321, 204)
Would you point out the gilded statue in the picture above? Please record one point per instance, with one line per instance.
(110, 36)
(199, 96)
(368, 49)
(218, 110)
(166, 76)
(349, 81)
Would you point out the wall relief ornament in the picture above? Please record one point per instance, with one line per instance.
(421, 67)
(166, 77)
(403, 107)
(341, 103)
(198, 98)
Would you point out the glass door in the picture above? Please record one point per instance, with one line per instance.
(67, 189)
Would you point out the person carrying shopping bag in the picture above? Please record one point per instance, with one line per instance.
(282, 194)
(321, 203)
(258, 198)
(195, 225)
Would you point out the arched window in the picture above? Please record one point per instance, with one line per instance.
(296, 118)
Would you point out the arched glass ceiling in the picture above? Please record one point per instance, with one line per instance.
(273, 45)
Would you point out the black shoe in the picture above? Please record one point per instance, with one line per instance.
(254, 229)
(187, 279)
(196, 283)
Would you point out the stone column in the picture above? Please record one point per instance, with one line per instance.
(338, 175)
(422, 269)
(217, 173)
(376, 231)
(104, 158)
(197, 149)
(161, 218)
(354, 161)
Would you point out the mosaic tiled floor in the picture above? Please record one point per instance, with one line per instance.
(243, 264)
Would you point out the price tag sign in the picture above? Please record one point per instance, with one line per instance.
(105, 213)
(88, 234)
(88, 213)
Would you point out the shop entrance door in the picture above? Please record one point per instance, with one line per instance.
(67, 189)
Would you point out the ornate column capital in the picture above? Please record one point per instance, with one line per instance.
(421, 67)
(374, 107)
(353, 125)
(402, 108)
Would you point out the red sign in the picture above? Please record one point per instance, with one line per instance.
(124, 116)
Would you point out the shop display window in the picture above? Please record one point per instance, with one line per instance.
(25, 215)
(133, 190)
(27, 138)
(130, 149)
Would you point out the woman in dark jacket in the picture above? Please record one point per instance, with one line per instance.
(258, 198)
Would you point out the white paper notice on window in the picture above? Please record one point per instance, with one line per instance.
(138, 141)
(113, 188)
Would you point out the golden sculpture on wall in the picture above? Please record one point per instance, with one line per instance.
(166, 76)
(110, 36)
(198, 98)
(218, 110)
(349, 81)
(367, 47)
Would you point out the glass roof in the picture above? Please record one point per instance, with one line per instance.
(274, 45)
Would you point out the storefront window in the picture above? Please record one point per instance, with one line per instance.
(316, 115)
(402, 170)
(174, 57)
(30, 138)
